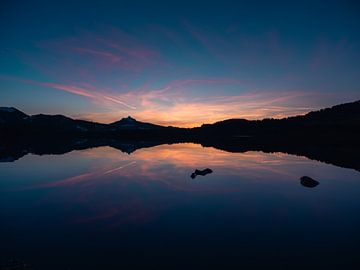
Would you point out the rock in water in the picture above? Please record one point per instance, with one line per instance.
(307, 181)
(201, 172)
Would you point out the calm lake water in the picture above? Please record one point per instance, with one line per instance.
(103, 209)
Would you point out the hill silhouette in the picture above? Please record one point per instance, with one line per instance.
(339, 119)
(328, 135)
(16, 124)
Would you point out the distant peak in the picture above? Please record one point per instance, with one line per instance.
(129, 118)
(128, 121)
(8, 109)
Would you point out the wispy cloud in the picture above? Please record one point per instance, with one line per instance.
(166, 107)
(91, 92)
(206, 110)
(112, 57)
(175, 104)
(122, 75)
(96, 95)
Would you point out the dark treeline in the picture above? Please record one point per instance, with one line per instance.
(341, 122)
(330, 135)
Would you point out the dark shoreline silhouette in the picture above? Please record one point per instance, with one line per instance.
(328, 135)
(338, 123)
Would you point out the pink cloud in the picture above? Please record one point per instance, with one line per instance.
(96, 95)
(94, 56)
(141, 53)
(112, 57)
(67, 88)
(91, 92)
(173, 104)
(166, 107)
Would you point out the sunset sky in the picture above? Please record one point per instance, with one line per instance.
(179, 63)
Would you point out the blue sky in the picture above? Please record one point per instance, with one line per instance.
(178, 62)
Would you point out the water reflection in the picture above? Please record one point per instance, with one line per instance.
(110, 173)
(117, 200)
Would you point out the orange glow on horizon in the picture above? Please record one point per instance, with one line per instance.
(187, 114)
(180, 104)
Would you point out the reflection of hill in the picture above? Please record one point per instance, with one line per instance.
(341, 155)
(15, 149)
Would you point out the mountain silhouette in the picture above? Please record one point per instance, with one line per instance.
(328, 135)
(340, 118)
(131, 123)
(11, 115)
(14, 124)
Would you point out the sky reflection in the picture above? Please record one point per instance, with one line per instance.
(118, 188)
(84, 208)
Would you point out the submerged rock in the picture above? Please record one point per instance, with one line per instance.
(307, 181)
(201, 172)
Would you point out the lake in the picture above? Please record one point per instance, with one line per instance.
(101, 208)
